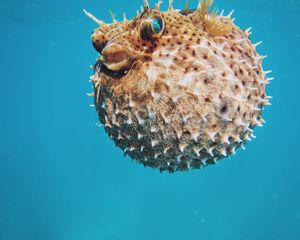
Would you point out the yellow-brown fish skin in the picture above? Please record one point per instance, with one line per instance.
(183, 98)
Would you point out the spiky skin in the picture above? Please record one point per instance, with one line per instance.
(191, 97)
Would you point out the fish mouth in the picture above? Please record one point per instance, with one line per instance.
(117, 58)
(101, 68)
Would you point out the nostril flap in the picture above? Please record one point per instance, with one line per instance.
(99, 41)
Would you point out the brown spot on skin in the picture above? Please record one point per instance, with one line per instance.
(163, 75)
(173, 67)
(160, 87)
(223, 109)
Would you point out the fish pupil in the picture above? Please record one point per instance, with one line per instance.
(156, 25)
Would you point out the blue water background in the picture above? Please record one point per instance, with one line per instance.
(61, 178)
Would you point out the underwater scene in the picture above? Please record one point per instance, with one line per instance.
(178, 121)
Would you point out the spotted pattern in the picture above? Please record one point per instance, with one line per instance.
(193, 95)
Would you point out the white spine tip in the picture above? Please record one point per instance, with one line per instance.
(230, 14)
(210, 151)
(157, 5)
(267, 72)
(257, 44)
(170, 8)
(124, 17)
(248, 138)
(233, 151)
(222, 12)
(99, 22)
(223, 152)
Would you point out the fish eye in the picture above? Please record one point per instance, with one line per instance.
(152, 28)
(157, 25)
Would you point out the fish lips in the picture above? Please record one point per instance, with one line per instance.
(117, 58)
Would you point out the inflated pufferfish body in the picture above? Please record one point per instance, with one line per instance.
(178, 90)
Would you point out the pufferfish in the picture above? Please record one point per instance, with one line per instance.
(179, 89)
